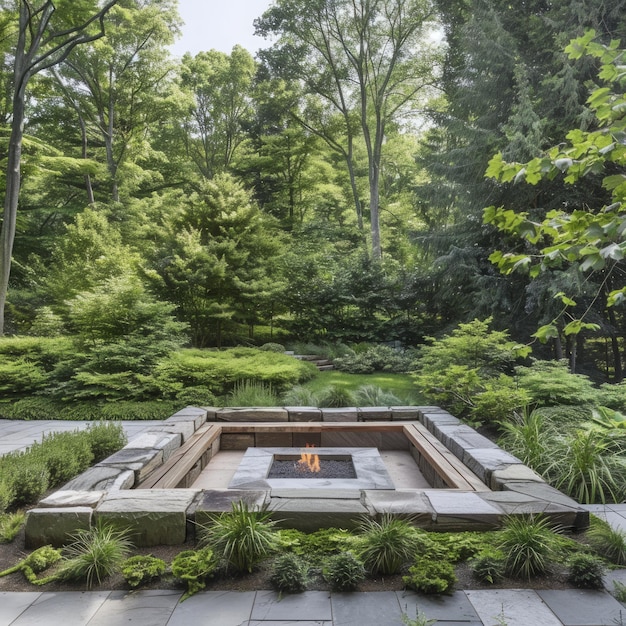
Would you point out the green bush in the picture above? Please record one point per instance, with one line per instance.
(196, 396)
(488, 566)
(528, 544)
(387, 544)
(343, 572)
(429, 575)
(194, 567)
(316, 546)
(6, 494)
(550, 383)
(27, 476)
(219, 371)
(252, 393)
(241, 537)
(585, 571)
(94, 554)
(37, 561)
(608, 542)
(141, 569)
(376, 358)
(290, 573)
(335, 397)
(104, 439)
(65, 455)
(10, 524)
(272, 347)
(499, 400)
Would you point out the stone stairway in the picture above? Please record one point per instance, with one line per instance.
(320, 362)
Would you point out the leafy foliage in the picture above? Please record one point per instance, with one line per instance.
(290, 573)
(194, 567)
(430, 576)
(376, 358)
(241, 537)
(343, 572)
(140, 569)
(585, 571)
(608, 542)
(10, 524)
(488, 566)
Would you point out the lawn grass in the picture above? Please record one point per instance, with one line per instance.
(399, 384)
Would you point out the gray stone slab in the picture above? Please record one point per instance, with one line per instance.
(152, 516)
(194, 414)
(101, 478)
(72, 498)
(158, 440)
(617, 521)
(63, 608)
(374, 413)
(340, 415)
(454, 607)
(184, 429)
(399, 502)
(366, 609)
(483, 461)
(252, 414)
(517, 472)
(55, 526)
(141, 461)
(310, 605)
(223, 608)
(310, 515)
(141, 608)
(14, 603)
(404, 413)
(213, 501)
(514, 607)
(458, 509)
(298, 622)
(354, 439)
(304, 413)
(583, 607)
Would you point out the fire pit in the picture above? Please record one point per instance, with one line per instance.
(311, 468)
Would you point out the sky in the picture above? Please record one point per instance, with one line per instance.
(219, 25)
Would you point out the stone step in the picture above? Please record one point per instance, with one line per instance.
(325, 368)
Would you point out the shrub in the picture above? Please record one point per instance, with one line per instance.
(272, 347)
(585, 571)
(37, 561)
(488, 567)
(219, 371)
(252, 393)
(6, 495)
(316, 546)
(529, 437)
(28, 477)
(371, 395)
(141, 569)
(429, 575)
(387, 544)
(376, 358)
(585, 467)
(196, 396)
(10, 524)
(65, 454)
(499, 399)
(19, 377)
(608, 542)
(94, 554)
(299, 396)
(528, 544)
(550, 383)
(242, 537)
(194, 567)
(105, 439)
(333, 396)
(290, 573)
(343, 572)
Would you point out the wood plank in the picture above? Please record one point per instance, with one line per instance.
(310, 427)
(451, 469)
(183, 459)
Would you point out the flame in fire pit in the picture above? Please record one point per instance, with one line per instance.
(309, 462)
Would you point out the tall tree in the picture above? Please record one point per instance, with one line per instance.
(220, 85)
(46, 35)
(369, 61)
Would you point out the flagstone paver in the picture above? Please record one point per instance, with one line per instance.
(310, 605)
(455, 607)
(141, 608)
(583, 607)
(367, 609)
(14, 603)
(225, 608)
(515, 607)
(65, 608)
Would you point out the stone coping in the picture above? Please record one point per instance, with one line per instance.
(105, 492)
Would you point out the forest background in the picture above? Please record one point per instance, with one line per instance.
(331, 190)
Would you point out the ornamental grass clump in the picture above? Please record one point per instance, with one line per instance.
(10, 524)
(240, 538)
(388, 544)
(529, 545)
(94, 554)
(608, 542)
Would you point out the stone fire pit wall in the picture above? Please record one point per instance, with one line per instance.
(106, 492)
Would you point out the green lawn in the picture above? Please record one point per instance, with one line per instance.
(399, 384)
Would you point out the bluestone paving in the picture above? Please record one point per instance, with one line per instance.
(582, 607)
(515, 607)
(366, 609)
(14, 603)
(454, 607)
(65, 608)
(208, 608)
(142, 608)
(310, 606)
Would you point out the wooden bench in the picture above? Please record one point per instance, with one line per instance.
(179, 464)
(454, 473)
